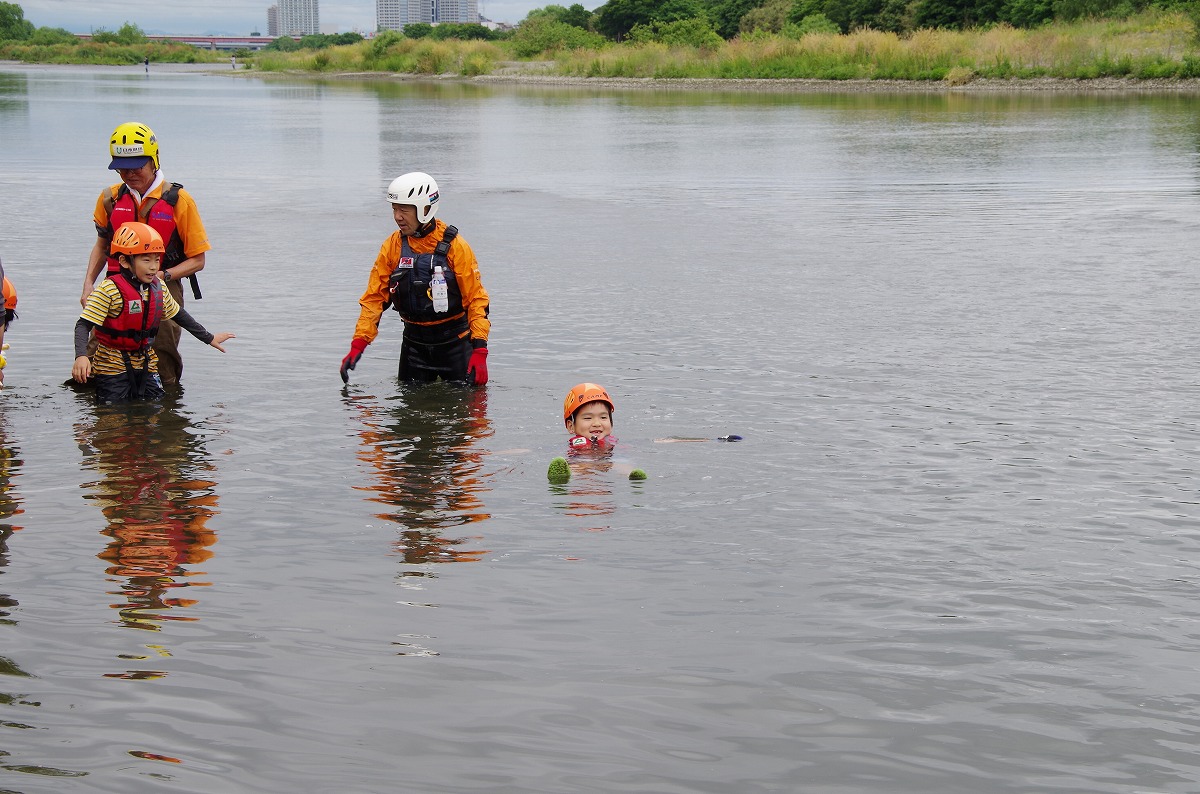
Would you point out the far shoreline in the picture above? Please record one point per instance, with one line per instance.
(513, 74)
(1101, 85)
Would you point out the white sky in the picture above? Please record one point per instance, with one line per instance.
(230, 17)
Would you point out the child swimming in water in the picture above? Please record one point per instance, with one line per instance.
(588, 416)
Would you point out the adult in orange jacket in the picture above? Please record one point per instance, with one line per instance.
(429, 275)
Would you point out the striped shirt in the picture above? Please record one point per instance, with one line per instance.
(105, 301)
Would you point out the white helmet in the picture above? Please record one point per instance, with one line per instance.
(417, 189)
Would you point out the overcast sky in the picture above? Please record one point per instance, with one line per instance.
(230, 17)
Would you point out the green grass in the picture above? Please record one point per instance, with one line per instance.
(91, 53)
(1154, 44)
(405, 56)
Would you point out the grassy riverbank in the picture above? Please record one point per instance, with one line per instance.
(1155, 45)
(107, 54)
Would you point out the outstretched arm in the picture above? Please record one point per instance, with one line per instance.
(188, 323)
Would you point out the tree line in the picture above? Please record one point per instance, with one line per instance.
(619, 20)
(696, 23)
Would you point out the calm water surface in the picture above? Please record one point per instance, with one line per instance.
(957, 551)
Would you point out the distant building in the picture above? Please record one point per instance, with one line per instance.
(299, 18)
(456, 11)
(273, 22)
(395, 14)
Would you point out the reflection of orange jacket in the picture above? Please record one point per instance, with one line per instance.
(462, 261)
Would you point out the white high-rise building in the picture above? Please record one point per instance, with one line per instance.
(273, 22)
(456, 11)
(395, 14)
(299, 18)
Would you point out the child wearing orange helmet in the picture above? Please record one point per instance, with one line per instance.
(588, 415)
(125, 312)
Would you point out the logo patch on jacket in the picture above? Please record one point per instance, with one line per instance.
(406, 262)
(135, 307)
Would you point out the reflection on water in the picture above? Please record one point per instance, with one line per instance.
(589, 493)
(14, 92)
(10, 505)
(424, 446)
(156, 496)
(957, 554)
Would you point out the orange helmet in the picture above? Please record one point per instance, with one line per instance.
(137, 238)
(10, 295)
(581, 395)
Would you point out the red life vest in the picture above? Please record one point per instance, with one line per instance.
(137, 324)
(585, 445)
(158, 213)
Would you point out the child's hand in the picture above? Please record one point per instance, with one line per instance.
(219, 338)
(82, 369)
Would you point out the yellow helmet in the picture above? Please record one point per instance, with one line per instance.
(137, 238)
(582, 394)
(132, 143)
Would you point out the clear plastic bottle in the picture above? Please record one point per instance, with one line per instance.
(437, 290)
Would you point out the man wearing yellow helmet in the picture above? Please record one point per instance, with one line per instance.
(144, 196)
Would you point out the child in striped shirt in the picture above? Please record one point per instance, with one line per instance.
(125, 311)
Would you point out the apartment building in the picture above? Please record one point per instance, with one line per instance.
(297, 17)
(395, 14)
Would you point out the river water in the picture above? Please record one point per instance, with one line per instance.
(957, 550)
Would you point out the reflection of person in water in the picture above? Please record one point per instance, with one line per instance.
(157, 497)
(425, 451)
(10, 505)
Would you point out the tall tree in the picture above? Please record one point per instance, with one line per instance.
(727, 15)
(617, 17)
(577, 16)
(13, 24)
(955, 14)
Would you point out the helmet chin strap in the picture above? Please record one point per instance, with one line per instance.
(424, 228)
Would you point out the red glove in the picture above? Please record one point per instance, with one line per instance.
(477, 366)
(357, 346)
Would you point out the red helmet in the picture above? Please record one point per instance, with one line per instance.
(137, 238)
(581, 395)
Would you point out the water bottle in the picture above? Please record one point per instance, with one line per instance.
(437, 289)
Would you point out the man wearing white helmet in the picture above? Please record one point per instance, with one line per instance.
(429, 275)
(144, 196)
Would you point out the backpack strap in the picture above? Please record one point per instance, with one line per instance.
(170, 195)
(106, 198)
(109, 201)
(443, 246)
